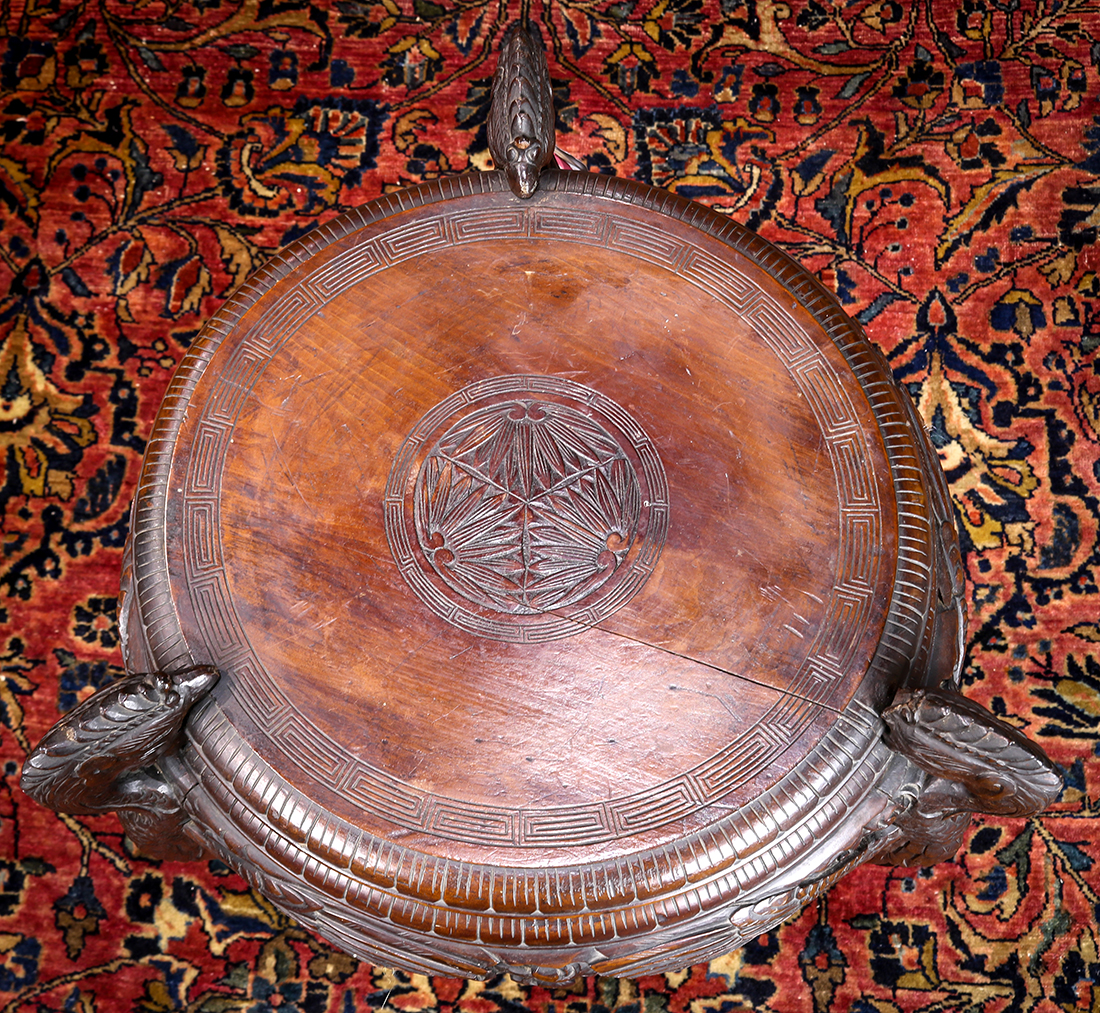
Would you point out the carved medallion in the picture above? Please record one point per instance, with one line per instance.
(526, 508)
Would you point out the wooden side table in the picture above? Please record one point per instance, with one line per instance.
(539, 572)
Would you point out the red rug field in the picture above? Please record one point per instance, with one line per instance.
(935, 163)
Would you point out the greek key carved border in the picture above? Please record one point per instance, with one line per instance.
(158, 611)
(333, 868)
(857, 571)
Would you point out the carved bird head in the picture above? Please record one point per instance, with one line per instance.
(521, 116)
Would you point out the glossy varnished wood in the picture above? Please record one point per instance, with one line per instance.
(356, 728)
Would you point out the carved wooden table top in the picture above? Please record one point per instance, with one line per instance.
(555, 557)
(529, 528)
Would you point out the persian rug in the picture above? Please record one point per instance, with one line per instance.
(936, 163)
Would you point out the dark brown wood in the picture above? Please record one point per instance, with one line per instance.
(558, 558)
(979, 764)
(521, 116)
(100, 757)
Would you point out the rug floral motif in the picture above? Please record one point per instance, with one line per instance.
(936, 164)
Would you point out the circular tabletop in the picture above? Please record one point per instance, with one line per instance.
(528, 533)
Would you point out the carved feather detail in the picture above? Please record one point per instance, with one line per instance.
(980, 763)
(521, 116)
(92, 760)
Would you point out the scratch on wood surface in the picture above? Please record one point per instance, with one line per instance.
(286, 471)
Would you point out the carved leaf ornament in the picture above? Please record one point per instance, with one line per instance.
(528, 505)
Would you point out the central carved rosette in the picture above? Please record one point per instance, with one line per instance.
(526, 506)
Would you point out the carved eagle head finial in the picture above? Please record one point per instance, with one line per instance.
(521, 116)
